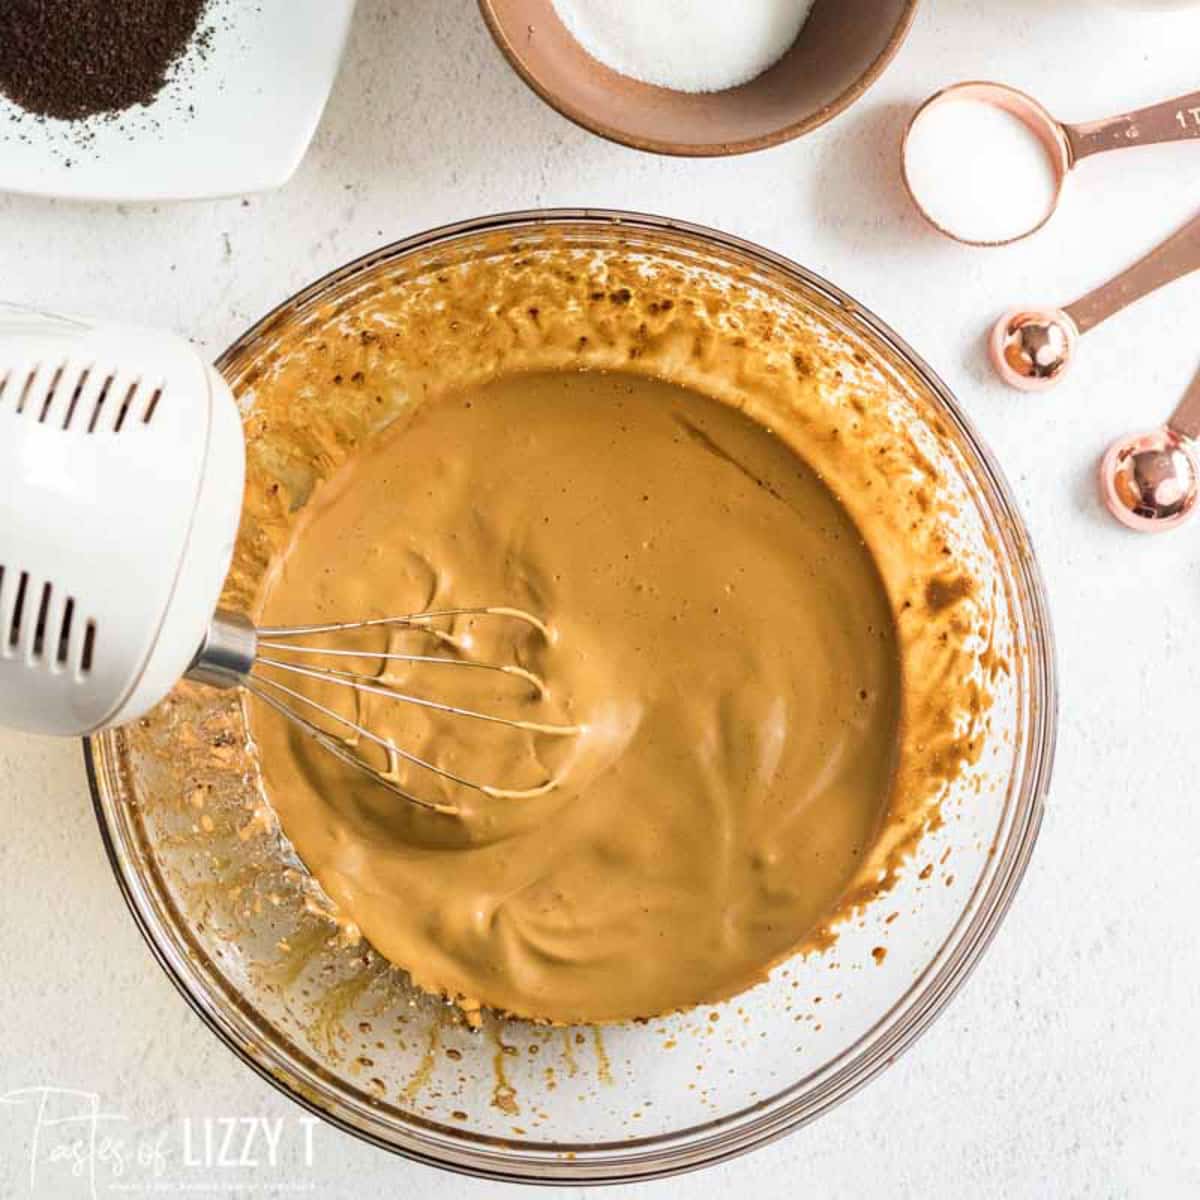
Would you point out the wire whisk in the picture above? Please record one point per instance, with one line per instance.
(237, 653)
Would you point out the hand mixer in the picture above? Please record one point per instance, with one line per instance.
(121, 475)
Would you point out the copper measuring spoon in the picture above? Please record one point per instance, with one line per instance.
(1150, 481)
(1169, 121)
(1033, 348)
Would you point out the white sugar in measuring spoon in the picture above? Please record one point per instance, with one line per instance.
(978, 172)
(985, 164)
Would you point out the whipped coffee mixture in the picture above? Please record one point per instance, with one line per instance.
(720, 631)
(767, 608)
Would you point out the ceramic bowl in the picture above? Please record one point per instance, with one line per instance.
(842, 49)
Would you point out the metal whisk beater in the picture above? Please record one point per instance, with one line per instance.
(232, 655)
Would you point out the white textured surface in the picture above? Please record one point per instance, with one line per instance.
(1068, 1064)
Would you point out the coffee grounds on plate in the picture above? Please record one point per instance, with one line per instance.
(72, 59)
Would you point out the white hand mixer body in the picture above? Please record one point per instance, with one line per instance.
(121, 472)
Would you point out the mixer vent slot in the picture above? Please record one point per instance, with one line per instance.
(69, 416)
(26, 388)
(50, 391)
(64, 633)
(14, 621)
(39, 629)
(15, 387)
(101, 398)
(129, 394)
(155, 397)
(89, 648)
(52, 631)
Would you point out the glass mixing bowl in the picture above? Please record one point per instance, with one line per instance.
(234, 920)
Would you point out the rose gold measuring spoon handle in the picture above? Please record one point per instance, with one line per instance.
(1179, 255)
(1168, 121)
(1185, 420)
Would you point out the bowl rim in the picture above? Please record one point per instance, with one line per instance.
(896, 1029)
(585, 120)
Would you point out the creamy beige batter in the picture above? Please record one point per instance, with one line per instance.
(719, 629)
(356, 503)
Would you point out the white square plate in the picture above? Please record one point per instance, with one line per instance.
(255, 99)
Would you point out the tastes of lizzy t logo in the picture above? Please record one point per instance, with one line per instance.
(80, 1147)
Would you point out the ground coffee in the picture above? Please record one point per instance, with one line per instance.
(73, 59)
